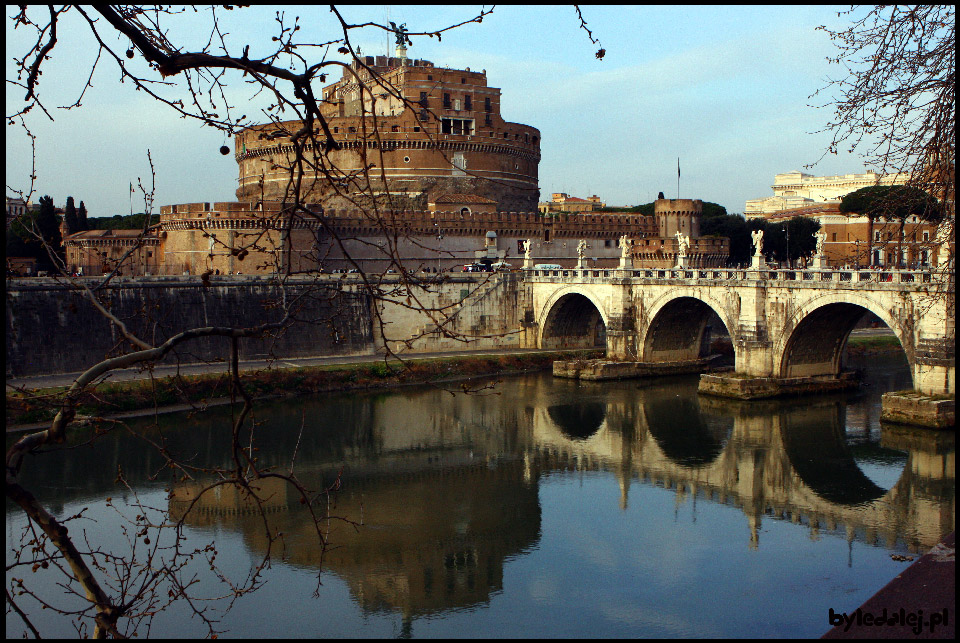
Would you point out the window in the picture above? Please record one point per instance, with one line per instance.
(546, 235)
(607, 243)
(926, 235)
(467, 104)
(352, 130)
(487, 121)
(423, 100)
(457, 126)
(834, 237)
(429, 77)
(424, 116)
(520, 247)
(876, 236)
(394, 128)
(446, 101)
(486, 105)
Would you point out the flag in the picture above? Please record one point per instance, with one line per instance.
(678, 167)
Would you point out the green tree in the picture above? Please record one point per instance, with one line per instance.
(70, 216)
(82, 217)
(798, 232)
(20, 241)
(48, 229)
(118, 222)
(892, 203)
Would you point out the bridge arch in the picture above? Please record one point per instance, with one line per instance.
(573, 318)
(675, 330)
(813, 339)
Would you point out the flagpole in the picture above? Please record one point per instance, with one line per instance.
(678, 178)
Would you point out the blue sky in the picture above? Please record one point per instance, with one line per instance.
(723, 88)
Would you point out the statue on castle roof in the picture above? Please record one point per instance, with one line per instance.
(660, 196)
(401, 34)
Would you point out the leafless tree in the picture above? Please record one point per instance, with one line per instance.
(120, 593)
(894, 100)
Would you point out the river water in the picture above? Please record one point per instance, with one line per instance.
(537, 508)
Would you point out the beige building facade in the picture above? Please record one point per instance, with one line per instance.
(793, 190)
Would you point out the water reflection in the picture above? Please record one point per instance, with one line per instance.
(447, 487)
(446, 490)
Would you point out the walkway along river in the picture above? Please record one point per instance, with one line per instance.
(547, 507)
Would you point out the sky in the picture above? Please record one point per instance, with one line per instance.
(726, 90)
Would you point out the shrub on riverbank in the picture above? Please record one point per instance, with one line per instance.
(198, 390)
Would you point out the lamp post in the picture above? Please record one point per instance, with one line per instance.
(858, 254)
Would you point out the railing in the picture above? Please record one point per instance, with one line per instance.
(851, 276)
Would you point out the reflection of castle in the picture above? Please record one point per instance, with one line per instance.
(446, 488)
(431, 536)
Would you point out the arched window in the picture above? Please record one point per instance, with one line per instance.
(464, 211)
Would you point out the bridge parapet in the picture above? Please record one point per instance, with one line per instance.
(890, 278)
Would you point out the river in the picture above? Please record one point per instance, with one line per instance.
(536, 508)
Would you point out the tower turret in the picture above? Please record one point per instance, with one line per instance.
(678, 215)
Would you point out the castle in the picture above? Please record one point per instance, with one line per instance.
(452, 183)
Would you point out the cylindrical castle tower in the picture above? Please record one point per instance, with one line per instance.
(452, 141)
(678, 215)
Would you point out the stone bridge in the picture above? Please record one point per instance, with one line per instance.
(783, 324)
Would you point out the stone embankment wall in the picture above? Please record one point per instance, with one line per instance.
(52, 328)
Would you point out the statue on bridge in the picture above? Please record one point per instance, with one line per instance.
(626, 261)
(757, 237)
(527, 248)
(821, 237)
(683, 242)
(581, 250)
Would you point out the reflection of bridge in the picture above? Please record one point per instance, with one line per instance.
(783, 323)
(783, 463)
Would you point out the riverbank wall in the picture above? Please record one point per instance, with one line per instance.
(52, 327)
